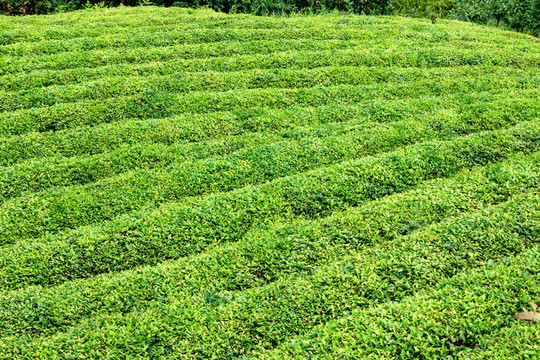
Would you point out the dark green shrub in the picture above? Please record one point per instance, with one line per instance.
(439, 8)
(520, 15)
(19, 7)
(260, 7)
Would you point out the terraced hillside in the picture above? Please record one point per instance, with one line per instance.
(182, 184)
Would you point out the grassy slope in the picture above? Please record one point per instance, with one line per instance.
(188, 184)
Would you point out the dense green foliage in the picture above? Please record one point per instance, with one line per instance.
(520, 15)
(424, 8)
(186, 184)
(260, 7)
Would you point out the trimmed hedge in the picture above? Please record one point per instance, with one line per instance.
(263, 255)
(180, 229)
(448, 317)
(392, 123)
(237, 323)
(181, 183)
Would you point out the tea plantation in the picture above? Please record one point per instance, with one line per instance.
(185, 184)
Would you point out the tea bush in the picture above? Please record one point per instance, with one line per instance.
(179, 183)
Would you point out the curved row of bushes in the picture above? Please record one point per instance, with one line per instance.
(190, 184)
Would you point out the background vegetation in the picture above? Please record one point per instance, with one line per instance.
(520, 15)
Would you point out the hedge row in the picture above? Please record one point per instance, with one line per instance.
(89, 30)
(93, 140)
(184, 83)
(78, 65)
(469, 316)
(265, 254)
(198, 42)
(236, 323)
(58, 209)
(360, 122)
(182, 183)
(267, 35)
(184, 228)
(407, 56)
(153, 104)
(414, 123)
